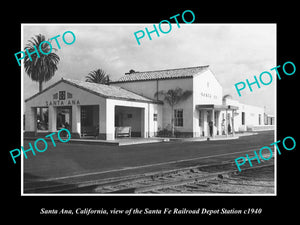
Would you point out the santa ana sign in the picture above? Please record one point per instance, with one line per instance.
(65, 102)
(60, 97)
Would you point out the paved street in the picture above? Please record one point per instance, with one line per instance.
(69, 159)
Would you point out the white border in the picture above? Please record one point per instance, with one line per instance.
(22, 113)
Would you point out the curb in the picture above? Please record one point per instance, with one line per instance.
(148, 141)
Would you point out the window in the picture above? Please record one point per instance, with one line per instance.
(129, 115)
(154, 116)
(259, 119)
(243, 118)
(42, 118)
(178, 117)
(64, 117)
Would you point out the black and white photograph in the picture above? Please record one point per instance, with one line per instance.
(132, 112)
(181, 114)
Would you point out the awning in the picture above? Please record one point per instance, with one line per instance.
(217, 107)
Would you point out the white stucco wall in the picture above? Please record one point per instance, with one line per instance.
(149, 88)
(186, 105)
(84, 97)
(206, 90)
(81, 97)
(144, 88)
(146, 110)
(45, 99)
(251, 115)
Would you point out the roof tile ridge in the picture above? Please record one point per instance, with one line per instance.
(191, 67)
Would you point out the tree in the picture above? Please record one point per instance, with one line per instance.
(40, 69)
(173, 97)
(98, 76)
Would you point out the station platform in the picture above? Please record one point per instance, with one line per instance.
(137, 140)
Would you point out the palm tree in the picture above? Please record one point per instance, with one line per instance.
(98, 76)
(173, 97)
(40, 69)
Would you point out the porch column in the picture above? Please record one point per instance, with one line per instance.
(144, 122)
(143, 125)
(107, 121)
(52, 116)
(76, 121)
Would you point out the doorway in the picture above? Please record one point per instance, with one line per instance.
(129, 118)
(64, 117)
(89, 120)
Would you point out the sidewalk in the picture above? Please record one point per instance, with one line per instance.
(116, 142)
(120, 141)
(138, 140)
(215, 138)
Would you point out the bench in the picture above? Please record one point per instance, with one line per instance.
(123, 132)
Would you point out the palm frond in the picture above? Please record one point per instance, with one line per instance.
(40, 68)
(98, 76)
(174, 96)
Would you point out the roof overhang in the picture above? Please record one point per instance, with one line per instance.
(217, 107)
(146, 100)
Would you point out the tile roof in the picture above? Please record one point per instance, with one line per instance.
(106, 91)
(109, 91)
(162, 74)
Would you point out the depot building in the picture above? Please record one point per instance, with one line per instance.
(129, 107)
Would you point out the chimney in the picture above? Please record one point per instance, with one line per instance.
(131, 71)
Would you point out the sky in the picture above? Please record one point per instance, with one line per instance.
(234, 53)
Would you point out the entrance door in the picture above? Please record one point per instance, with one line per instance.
(90, 120)
(64, 117)
(130, 118)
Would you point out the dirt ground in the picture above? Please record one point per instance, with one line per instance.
(255, 181)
